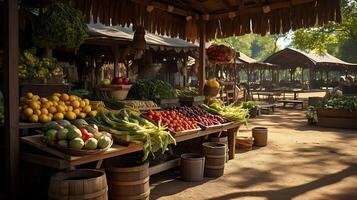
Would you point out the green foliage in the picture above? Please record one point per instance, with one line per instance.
(255, 46)
(337, 39)
(248, 105)
(311, 115)
(153, 90)
(345, 102)
(59, 25)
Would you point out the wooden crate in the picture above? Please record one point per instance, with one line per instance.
(333, 122)
(321, 112)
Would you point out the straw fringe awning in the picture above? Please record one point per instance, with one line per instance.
(179, 18)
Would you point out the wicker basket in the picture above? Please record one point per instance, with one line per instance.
(244, 143)
(120, 92)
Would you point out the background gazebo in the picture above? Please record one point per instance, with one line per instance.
(320, 67)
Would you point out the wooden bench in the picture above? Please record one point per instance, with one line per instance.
(295, 102)
(267, 107)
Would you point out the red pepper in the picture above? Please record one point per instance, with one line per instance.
(85, 134)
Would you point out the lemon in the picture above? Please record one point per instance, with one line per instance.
(82, 115)
(50, 116)
(87, 109)
(77, 111)
(64, 97)
(46, 105)
(83, 104)
(60, 109)
(68, 103)
(24, 106)
(35, 97)
(58, 116)
(29, 95)
(72, 98)
(54, 98)
(92, 113)
(44, 111)
(52, 109)
(34, 105)
(61, 103)
(28, 112)
(37, 112)
(69, 108)
(71, 115)
(43, 100)
(56, 94)
(33, 118)
(87, 102)
(44, 118)
(75, 104)
(54, 103)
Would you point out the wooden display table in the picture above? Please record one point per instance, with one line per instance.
(56, 159)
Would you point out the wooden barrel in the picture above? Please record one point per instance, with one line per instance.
(260, 135)
(78, 184)
(192, 167)
(223, 140)
(215, 155)
(127, 181)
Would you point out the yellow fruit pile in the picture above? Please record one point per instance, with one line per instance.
(34, 108)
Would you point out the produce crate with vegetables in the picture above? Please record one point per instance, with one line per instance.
(175, 121)
(77, 138)
(203, 118)
(127, 125)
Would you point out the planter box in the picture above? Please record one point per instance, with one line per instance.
(337, 118)
(348, 123)
(321, 112)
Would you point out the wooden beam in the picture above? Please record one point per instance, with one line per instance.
(259, 9)
(162, 6)
(202, 55)
(11, 94)
(197, 5)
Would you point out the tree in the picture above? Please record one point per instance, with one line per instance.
(253, 45)
(338, 39)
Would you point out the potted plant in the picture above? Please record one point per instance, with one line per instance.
(311, 115)
(252, 107)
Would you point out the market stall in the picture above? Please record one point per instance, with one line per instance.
(204, 20)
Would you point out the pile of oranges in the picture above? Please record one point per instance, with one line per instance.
(34, 108)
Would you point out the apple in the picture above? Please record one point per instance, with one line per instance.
(106, 82)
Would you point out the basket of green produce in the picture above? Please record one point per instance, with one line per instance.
(78, 138)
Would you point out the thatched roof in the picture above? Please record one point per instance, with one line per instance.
(292, 58)
(179, 18)
(126, 34)
(248, 62)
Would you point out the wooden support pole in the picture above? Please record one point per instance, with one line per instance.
(202, 56)
(11, 94)
(116, 59)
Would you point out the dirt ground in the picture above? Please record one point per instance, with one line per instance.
(300, 162)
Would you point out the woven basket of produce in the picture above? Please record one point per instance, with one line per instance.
(120, 92)
(244, 143)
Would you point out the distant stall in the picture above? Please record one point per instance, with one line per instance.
(320, 67)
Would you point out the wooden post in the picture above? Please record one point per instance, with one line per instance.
(116, 59)
(11, 95)
(232, 133)
(202, 56)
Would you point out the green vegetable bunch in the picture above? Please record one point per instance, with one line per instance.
(129, 126)
(187, 92)
(231, 112)
(154, 90)
(59, 25)
(32, 67)
(248, 105)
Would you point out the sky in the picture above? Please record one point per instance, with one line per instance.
(285, 41)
